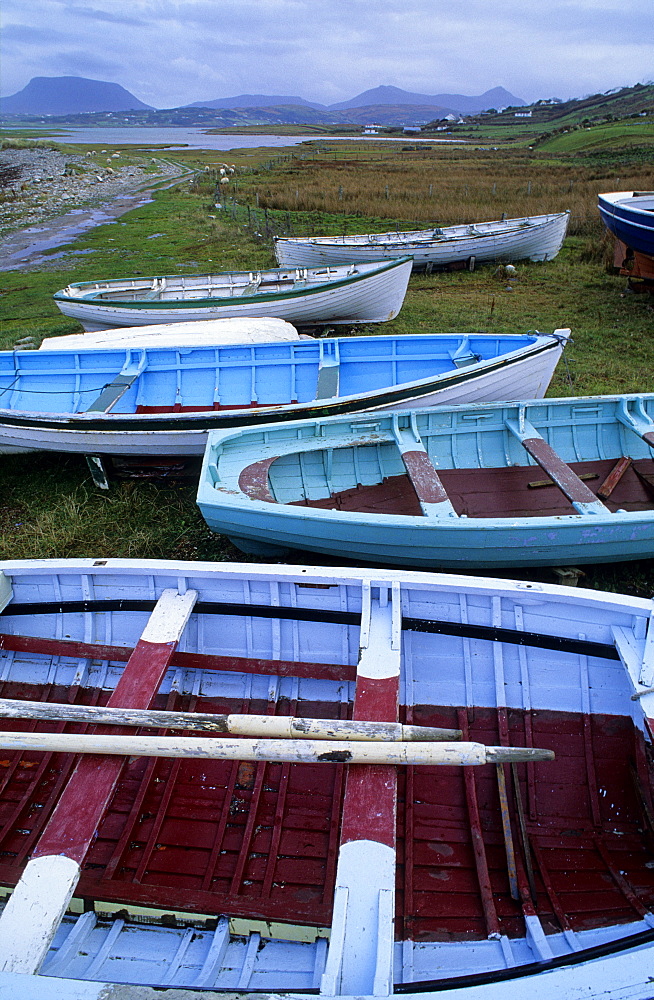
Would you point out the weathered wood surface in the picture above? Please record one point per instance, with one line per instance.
(271, 726)
(613, 478)
(565, 478)
(307, 751)
(501, 492)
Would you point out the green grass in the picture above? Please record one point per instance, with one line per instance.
(49, 506)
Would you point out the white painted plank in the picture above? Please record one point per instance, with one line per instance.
(6, 590)
(169, 617)
(34, 911)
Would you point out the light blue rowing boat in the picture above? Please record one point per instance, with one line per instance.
(551, 482)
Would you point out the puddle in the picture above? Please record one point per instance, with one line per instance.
(26, 248)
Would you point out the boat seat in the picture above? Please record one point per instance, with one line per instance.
(328, 379)
(580, 496)
(425, 480)
(155, 291)
(119, 385)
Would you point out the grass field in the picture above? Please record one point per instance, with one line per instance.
(49, 506)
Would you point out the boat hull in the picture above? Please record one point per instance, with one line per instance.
(526, 371)
(629, 215)
(524, 664)
(537, 239)
(374, 295)
(259, 503)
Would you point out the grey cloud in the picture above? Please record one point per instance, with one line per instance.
(327, 50)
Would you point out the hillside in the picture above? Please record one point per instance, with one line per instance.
(70, 97)
(537, 123)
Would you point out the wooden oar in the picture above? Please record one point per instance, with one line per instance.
(294, 751)
(271, 726)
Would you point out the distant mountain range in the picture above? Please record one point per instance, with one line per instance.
(253, 101)
(72, 95)
(496, 98)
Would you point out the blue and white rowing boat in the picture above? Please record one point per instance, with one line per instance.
(151, 400)
(354, 293)
(548, 482)
(629, 215)
(253, 855)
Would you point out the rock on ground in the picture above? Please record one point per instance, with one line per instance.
(39, 183)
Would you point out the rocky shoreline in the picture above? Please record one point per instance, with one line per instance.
(46, 194)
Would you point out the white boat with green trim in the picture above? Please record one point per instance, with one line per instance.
(346, 294)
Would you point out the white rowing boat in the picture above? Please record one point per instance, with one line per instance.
(536, 237)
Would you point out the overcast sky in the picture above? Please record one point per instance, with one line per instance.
(172, 52)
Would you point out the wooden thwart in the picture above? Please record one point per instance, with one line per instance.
(260, 726)
(579, 495)
(424, 477)
(117, 388)
(50, 878)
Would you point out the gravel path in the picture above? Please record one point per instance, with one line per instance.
(48, 198)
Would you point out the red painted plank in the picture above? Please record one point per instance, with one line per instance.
(424, 478)
(189, 661)
(83, 802)
(564, 477)
(371, 790)
(253, 480)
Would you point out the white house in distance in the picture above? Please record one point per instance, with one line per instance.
(370, 129)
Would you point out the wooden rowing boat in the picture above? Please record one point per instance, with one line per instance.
(629, 215)
(354, 293)
(163, 400)
(536, 237)
(551, 482)
(255, 856)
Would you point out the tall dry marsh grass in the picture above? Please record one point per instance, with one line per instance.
(441, 186)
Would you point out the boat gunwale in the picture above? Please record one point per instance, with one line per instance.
(436, 582)
(368, 240)
(611, 200)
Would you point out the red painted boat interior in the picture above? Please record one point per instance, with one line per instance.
(180, 408)
(498, 492)
(261, 840)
